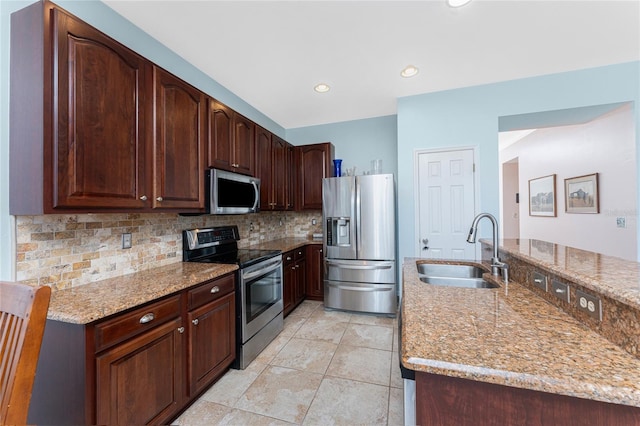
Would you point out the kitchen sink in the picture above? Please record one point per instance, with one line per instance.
(452, 275)
(458, 282)
(454, 271)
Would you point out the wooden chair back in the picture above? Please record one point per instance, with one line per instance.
(23, 314)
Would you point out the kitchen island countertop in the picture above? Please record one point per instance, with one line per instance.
(510, 336)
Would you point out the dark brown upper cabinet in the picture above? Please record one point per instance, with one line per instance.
(86, 153)
(231, 140)
(179, 146)
(83, 111)
(314, 164)
(272, 168)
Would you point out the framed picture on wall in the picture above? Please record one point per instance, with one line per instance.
(581, 194)
(542, 196)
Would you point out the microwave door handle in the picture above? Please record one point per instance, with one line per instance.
(257, 197)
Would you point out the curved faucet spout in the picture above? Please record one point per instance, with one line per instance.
(496, 264)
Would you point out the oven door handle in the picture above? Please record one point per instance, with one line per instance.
(272, 266)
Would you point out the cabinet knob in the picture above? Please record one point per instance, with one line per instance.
(195, 321)
(143, 198)
(147, 318)
(180, 330)
(320, 250)
(215, 289)
(159, 199)
(288, 257)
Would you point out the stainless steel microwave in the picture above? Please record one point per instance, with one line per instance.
(232, 193)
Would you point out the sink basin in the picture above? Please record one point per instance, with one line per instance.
(454, 271)
(458, 282)
(452, 275)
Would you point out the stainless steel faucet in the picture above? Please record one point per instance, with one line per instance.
(496, 264)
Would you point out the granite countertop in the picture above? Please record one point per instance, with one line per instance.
(285, 244)
(510, 336)
(91, 302)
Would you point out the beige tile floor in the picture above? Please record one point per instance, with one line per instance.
(326, 367)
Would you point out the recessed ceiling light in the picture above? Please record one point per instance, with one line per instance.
(457, 3)
(409, 71)
(321, 88)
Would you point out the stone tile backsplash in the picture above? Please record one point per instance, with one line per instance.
(70, 250)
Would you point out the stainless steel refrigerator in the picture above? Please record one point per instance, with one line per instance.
(359, 243)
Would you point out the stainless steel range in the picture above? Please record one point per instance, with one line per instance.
(259, 302)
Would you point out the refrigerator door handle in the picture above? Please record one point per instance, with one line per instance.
(365, 267)
(366, 289)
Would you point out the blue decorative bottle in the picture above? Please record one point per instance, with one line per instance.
(337, 168)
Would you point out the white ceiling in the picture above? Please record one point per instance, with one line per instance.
(272, 53)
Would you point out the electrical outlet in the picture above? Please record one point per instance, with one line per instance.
(592, 305)
(560, 290)
(314, 222)
(621, 222)
(126, 240)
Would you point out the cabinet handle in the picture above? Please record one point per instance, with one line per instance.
(195, 321)
(147, 318)
(180, 330)
(143, 198)
(159, 199)
(215, 289)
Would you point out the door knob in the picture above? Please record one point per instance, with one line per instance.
(425, 241)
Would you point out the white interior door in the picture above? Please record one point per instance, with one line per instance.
(446, 204)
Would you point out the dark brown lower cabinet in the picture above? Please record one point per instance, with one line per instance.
(137, 367)
(315, 275)
(295, 276)
(141, 381)
(442, 400)
(212, 341)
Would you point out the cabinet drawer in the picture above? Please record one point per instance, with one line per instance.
(288, 257)
(299, 253)
(211, 290)
(127, 325)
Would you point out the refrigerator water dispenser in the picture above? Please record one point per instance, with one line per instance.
(338, 231)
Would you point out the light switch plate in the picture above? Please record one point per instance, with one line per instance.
(540, 281)
(560, 290)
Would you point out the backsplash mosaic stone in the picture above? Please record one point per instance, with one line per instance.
(70, 250)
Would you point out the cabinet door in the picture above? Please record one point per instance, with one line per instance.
(179, 144)
(264, 167)
(101, 115)
(212, 338)
(141, 381)
(243, 145)
(292, 178)
(220, 136)
(314, 164)
(314, 285)
(301, 279)
(279, 173)
(289, 282)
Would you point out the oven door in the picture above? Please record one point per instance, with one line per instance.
(261, 295)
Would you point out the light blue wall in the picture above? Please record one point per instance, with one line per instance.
(357, 142)
(469, 117)
(108, 21)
